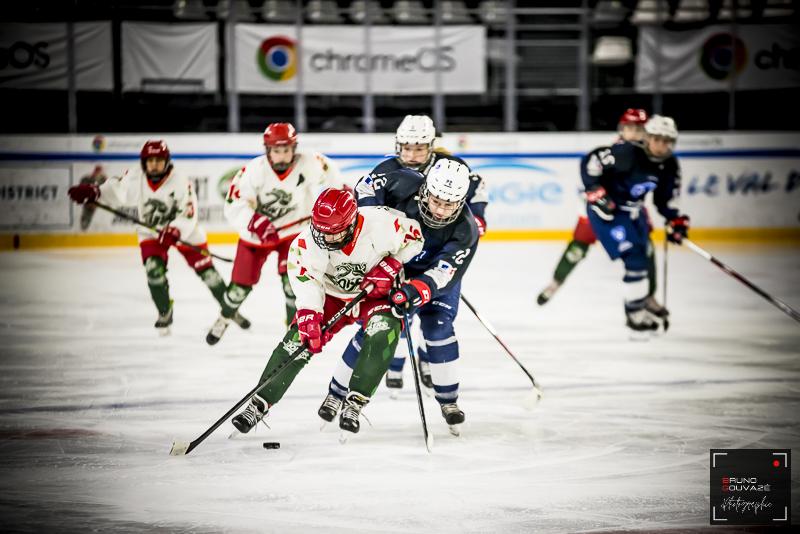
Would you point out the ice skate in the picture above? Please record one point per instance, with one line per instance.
(642, 324)
(652, 306)
(241, 321)
(164, 321)
(348, 420)
(252, 414)
(547, 293)
(453, 416)
(425, 374)
(394, 382)
(219, 327)
(330, 407)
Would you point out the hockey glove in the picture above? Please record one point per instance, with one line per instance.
(677, 229)
(263, 228)
(382, 277)
(83, 193)
(309, 325)
(410, 296)
(481, 225)
(168, 236)
(600, 203)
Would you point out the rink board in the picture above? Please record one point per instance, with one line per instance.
(741, 186)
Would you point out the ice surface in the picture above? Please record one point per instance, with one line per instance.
(91, 400)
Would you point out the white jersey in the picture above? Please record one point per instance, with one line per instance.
(315, 272)
(284, 198)
(172, 201)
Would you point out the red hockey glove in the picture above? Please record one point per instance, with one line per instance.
(83, 193)
(309, 324)
(481, 225)
(410, 296)
(168, 236)
(261, 226)
(677, 229)
(600, 203)
(382, 276)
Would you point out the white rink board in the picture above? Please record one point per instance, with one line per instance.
(729, 180)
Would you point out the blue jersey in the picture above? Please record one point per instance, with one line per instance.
(447, 251)
(477, 199)
(627, 173)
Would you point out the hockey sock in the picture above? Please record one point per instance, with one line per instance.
(575, 252)
(651, 269)
(382, 333)
(233, 298)
(156, 270)
(212, 279)
(276, 389)
(291, 309)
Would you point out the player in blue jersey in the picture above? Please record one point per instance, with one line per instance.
(617, 179)
(415, 148)
(432, 286)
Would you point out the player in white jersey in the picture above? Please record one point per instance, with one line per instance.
(272, 191)
(165, 199)
(346, 249)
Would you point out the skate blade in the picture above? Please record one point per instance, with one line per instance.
(343, 436)
(324, 425)
(455, 430)
(639, 337)
(235, 434)
(164, 332)
(394, 394)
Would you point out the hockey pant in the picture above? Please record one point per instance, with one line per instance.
(436, 322)
(379, 333)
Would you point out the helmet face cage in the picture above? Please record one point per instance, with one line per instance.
(319, 237)
(427, 215)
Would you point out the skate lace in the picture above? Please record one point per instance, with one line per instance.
(219, 327)
(332, 403)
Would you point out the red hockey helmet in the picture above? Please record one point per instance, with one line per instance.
(634, 116)
(155, 149)
(280, 134)
(333, 218)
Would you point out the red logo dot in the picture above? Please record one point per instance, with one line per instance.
(776, 463)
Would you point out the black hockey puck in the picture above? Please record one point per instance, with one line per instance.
(271, 445)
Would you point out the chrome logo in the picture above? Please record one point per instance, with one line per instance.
(276, 58)
(723, 55)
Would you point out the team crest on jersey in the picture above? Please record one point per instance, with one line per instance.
(376, 324)
(639, 190)
(348, 276)
(157, 213)
(276, 204)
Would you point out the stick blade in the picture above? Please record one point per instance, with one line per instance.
(429, 442)
(532, 398)
(179, 448)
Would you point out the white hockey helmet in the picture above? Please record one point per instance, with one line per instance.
(661, 126)
(446, 186)
(414, 130)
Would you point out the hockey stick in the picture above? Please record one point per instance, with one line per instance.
(664, 300)
(180, 448)
(122, 214)
(536, 389)
(428, 435)
(785, 308)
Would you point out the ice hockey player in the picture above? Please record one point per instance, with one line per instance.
(345, 250)
(617, 179)
(415, 149)
(165, 199)
(630, 129)
(273, 190)
(433, 278)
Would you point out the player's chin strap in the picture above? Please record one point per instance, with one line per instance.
(537, 391)
(180, 448)
(785, 308)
